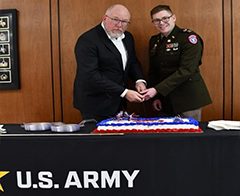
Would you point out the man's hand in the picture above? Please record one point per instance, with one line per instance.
(134, 96)
(140, 86)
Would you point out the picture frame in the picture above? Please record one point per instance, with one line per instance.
(9, 65)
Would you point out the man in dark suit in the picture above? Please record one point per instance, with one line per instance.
(105, 60)
(175, 56)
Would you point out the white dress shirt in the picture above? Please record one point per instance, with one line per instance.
(121, 48)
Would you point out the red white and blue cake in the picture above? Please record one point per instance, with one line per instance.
(131, 124)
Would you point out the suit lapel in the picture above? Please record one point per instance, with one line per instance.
(108, 43)
(126, 45)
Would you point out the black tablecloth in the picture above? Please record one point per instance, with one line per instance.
(89, 127)
(169, 164)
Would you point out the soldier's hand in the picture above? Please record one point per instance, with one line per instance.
(157, 105)
(149, 93)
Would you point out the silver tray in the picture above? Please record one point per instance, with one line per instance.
(41, 126)
(65, 128)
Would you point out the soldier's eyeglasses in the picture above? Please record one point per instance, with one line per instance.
(164, 19)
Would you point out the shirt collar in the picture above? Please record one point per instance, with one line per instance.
(113, 39)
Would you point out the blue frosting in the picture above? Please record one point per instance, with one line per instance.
(137, 121)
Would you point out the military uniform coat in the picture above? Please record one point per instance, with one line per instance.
(174, 70)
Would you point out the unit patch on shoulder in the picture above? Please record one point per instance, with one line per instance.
(192, 39)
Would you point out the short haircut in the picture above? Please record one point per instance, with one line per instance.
(160, 8)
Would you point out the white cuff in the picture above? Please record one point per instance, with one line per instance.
(124, 93)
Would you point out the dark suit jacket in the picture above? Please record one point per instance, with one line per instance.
(100, 78)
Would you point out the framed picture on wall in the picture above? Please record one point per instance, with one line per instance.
(9, 68)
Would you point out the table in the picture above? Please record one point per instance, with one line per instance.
(161, 164)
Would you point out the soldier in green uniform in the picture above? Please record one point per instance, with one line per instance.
(176, 85)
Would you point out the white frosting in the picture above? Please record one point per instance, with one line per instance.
(147, 124)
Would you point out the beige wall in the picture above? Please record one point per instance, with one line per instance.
(47, 33)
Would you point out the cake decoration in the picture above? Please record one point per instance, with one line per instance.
(125, 123)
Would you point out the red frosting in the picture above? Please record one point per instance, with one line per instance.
(150, 131)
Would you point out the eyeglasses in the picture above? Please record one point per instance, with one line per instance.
(117, 21)
(164, 19)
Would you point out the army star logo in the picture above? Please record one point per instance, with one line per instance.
(2, 173)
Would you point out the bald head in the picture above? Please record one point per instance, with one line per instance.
(116, 20)
(118, 9)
